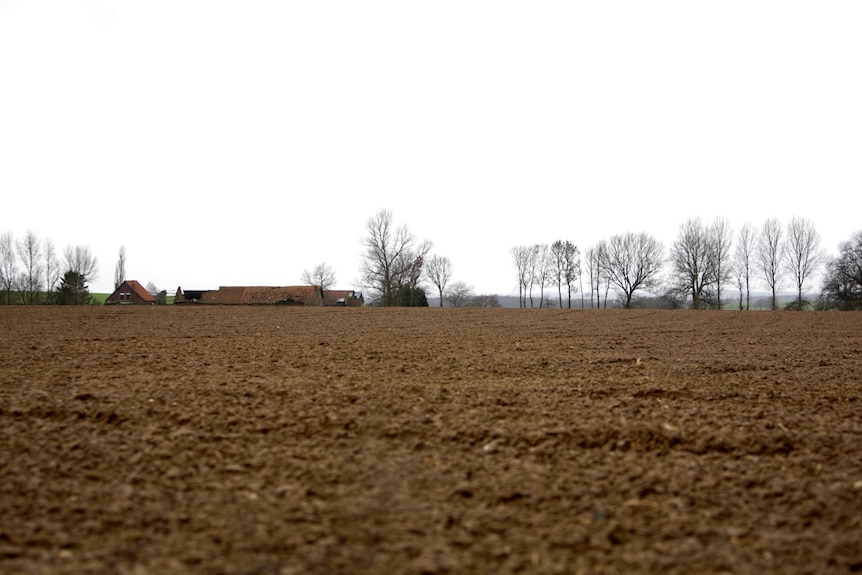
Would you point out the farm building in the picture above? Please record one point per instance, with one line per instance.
(343, 297)
(259, 295)
(130, 292)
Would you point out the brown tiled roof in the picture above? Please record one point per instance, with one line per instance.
(251, 295)
(140, 290)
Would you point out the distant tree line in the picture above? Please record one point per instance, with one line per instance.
(701, 264)
(32, 272)
(543, 267)
(704, 263)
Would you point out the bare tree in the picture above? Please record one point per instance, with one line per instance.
(802, 252)
(412, 266)
(691, 258)
(391, 257)
(81, 267)
(558, 269)
(633, 262)
(769, 256)
(382, 246)
(743, 260)
(522, 255)
(160, 295)
(721, 241)
(542, 271)
(8, 266)
(322, 277)
(439, 271)
(51, 269)
(594, 258)
(566, 268)
(80, 259)
(120, 268)
(842, 282)
(459, 294)
(531, 280)
(30, 255)
(739, 280)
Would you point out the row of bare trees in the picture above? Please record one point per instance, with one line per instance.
(545, 266)
(32, 272)
(702, 262)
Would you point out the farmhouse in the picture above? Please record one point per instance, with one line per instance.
(262, 295)
(130, 292)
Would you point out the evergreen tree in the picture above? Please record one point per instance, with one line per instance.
(412, 296)
(73, 289)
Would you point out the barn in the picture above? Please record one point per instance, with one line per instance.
(251, 295)
(130, 292)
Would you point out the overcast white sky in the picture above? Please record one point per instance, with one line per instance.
(239, 143)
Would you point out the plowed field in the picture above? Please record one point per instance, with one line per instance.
(282, 440)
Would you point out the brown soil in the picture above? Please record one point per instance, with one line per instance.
(273, 440)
